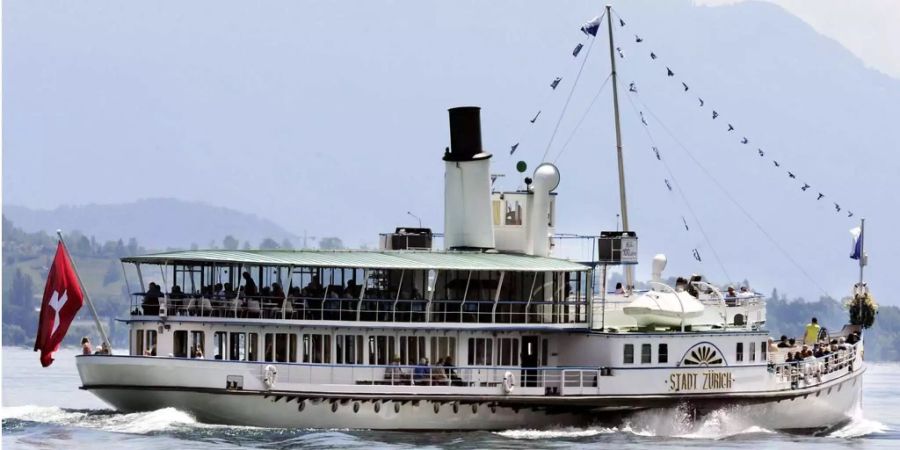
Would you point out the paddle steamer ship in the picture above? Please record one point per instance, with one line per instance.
(491, 332)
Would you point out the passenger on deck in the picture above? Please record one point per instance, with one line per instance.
(217, 291)
(438, 374)
(422, 373)
(745, 292)
(86, 346)
(619, 289)
(176, 293)
(455, 380)
(680, 284)
(350, 292)
(783, 343)
(250, 289)
(394, 373)
(229, 291)
(812, 332)
(278, 294)
(150, 304)
(314, 288)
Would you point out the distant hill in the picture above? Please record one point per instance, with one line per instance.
(157, 223)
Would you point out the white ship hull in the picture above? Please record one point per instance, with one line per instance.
(140, 387)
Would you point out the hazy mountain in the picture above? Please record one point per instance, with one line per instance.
(156, 223)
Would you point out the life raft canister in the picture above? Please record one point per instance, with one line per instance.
(509, 382)
(269, 375)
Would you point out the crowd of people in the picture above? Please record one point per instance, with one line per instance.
(441, 373)
(817, 354)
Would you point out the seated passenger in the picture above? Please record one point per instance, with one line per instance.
(350, 292)
(422, 373)
(278, 294)
(394, 373)
(250, 289)
(680, 284)
(229, 291)
(217, 291)
(783, 343)
(745, 292)
(438, 374)
(86, 346)
(150, 304)
(619, 289)
(451, 372)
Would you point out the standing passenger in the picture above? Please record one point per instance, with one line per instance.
(812, 332)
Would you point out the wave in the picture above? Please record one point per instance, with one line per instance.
(568, 432)
(859, 426)
(108, 420)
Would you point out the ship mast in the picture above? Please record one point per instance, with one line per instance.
(629, 272)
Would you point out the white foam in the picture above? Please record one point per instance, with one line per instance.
(859, 426)
(135, 423)
(569, 432)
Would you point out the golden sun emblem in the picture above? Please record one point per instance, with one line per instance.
(703, 356)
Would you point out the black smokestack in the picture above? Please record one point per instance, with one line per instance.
(465, 135)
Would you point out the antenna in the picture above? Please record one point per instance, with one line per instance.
(415, 217)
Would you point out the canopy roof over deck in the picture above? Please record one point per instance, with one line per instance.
(403, 259)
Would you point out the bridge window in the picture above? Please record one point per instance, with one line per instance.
(628, 357)
(481, 351)
(509, 351)
(662, 355)
(646, 354)
(739, 354)
(751, 352)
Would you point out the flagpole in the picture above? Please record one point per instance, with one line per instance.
(629, 271)
(85, 292)
(862, 250)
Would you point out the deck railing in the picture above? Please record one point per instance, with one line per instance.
(368, 309)
(811, 371)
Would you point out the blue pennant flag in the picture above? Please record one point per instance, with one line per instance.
(857, 243)
(577, 50)
(591, 27)
(555, 82)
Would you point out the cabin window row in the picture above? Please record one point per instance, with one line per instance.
(751, 352)
(662, 354)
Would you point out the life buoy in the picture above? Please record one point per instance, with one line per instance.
(269, 376)
(509, 382)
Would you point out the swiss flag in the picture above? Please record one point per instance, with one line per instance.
(62, 300)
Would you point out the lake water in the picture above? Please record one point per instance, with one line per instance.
(43, 408)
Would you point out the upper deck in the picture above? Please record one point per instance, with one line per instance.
(402, 286)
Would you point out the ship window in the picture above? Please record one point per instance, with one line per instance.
(509, 351)
(740, 352)
(662, 355)
(253, 347)
(513, 212)
(317, 348)
(197, 344)
(481, 351)
(180, 344)
(381, 349)
(269, 354)
(442, 347)
(237, 343)
(219, 342)
(751, 352)
(292, 351)
(412, 348)
(349, 349)
(545, 351)
(762, 351)
(139, 342)
(628, 356)
(646, 354)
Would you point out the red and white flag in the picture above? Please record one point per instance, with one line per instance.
(62, 300)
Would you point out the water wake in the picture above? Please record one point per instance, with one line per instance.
(859, 426)
(568, 432)
(107, 420)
